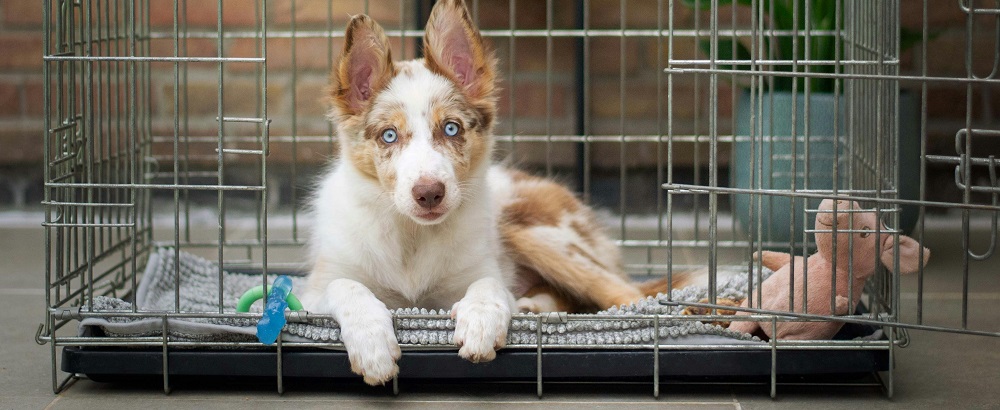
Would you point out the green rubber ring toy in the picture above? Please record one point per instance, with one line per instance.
(257, 293)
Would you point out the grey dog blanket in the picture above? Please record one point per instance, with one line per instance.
(199, 287)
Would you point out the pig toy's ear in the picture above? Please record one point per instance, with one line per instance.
(909, 254)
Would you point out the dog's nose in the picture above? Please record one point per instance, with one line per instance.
(428, 193)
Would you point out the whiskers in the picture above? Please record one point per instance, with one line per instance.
(470, 189)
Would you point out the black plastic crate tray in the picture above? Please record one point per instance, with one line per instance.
(110, 363)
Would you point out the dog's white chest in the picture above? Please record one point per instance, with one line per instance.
(428, 266)
(425, 264)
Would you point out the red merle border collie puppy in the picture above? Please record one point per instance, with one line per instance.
(415, 214)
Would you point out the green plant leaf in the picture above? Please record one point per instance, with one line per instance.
(789, 15)
(726, 46)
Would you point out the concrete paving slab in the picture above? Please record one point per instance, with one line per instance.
(26, 402)
(444, 404)
(24, 365)
(938, 370)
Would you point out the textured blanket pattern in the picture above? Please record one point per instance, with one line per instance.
(199, 279)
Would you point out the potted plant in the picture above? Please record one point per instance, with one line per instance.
(765, 161)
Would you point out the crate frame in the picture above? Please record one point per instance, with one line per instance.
(102, 165)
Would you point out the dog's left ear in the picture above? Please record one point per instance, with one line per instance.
(365, 67)
(454, 48)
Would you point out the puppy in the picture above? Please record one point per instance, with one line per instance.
(413, 213)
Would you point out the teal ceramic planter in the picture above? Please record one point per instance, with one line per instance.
(766, 161)
(774, 159)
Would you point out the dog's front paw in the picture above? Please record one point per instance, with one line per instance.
(480, 329)
(373, 351)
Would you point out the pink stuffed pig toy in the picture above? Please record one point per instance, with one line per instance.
(775, 289)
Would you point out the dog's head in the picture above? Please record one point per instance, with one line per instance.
(421, 129)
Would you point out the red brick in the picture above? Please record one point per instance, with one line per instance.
(204, 14)
(21, 13)
(946, 54)
(22, 145)
(196, 47)
(640, 14)
(10, 100)
(531, 54)
(639, 100)
(909, 61)
(725, 99)
(201, 155)
(250, 47)
(309, 125)
(743, 17)
(310, 53)
(195, 129)
(103, 97)
(684, 48)
(683, 94)
(947, 102)
(529, 100)
(241, 97)
(400, 51)
(493, 15)
(311, 98)
(606, 53)
(318, 12)
(538, 154)
(34, 98)
(530, 15)
(939, 14)
(607, 155)
(564, 16)
(306, 153)
(313, 12)
(605, 14)
(22, 51)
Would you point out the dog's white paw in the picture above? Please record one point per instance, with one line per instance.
(480, 329)
(373, 351)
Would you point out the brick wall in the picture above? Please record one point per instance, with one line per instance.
(946, 57)
(20, 83)
(523, 107)
(947, 102)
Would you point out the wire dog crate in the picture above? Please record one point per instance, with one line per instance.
(195, 127)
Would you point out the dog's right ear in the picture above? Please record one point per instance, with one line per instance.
(454, 49)
(365, 67)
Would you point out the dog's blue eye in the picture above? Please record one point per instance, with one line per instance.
(451, 128)
(389, 136)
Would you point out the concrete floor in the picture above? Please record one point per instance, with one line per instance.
(938, 370)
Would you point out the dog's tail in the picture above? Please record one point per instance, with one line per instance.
(574, 270)
(663, 284)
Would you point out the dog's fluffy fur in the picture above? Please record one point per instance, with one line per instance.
(418, 217)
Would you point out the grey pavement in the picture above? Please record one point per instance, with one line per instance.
(937, 370)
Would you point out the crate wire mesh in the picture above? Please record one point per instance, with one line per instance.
(161, 121)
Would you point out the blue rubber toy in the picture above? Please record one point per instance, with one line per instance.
(273, 318)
